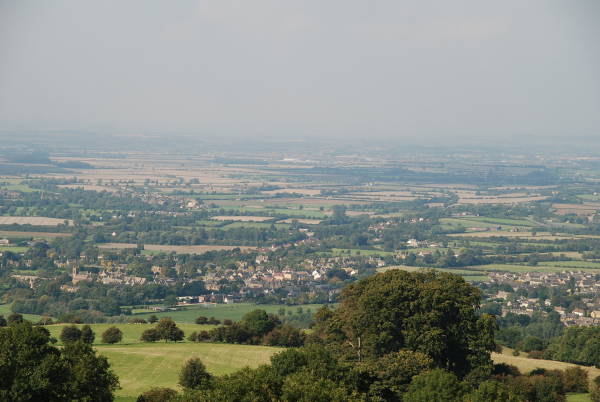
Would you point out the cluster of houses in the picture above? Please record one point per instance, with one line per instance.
(578, 282)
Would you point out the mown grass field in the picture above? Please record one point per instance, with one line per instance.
(223, 311)
(143, 366)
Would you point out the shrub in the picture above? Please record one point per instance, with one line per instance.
(286, 335)
(136, 321)
(112, 335)
(193, 337)
(436, 385)
(70, 333)
(87, 335)
(575, 379)
(201, 320)
(157, 395)
(194, 375)
(168, 330)
(150, 335)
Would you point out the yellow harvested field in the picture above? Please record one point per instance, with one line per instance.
(526, 364)
(241, 218)
(177, 249)
(32, 220)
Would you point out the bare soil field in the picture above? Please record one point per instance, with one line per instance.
(177, 249)
(241, 218)
(32, 220)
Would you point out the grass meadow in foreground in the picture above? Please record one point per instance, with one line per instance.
(146, 365)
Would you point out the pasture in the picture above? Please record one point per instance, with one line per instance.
(146, 365)
(223, 311)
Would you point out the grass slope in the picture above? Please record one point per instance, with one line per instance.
(143, 366)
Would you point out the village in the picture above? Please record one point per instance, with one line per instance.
(581, 283)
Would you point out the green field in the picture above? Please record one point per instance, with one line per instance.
(572, 264)
(13, 249)
(224, 311)
(504, 221)
(6, 311)
(143, 366)
(578, 398)
(17, 185)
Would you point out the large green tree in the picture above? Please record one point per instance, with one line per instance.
(428, 312)
(33, 370)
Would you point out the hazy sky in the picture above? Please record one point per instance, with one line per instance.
(426, 70)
